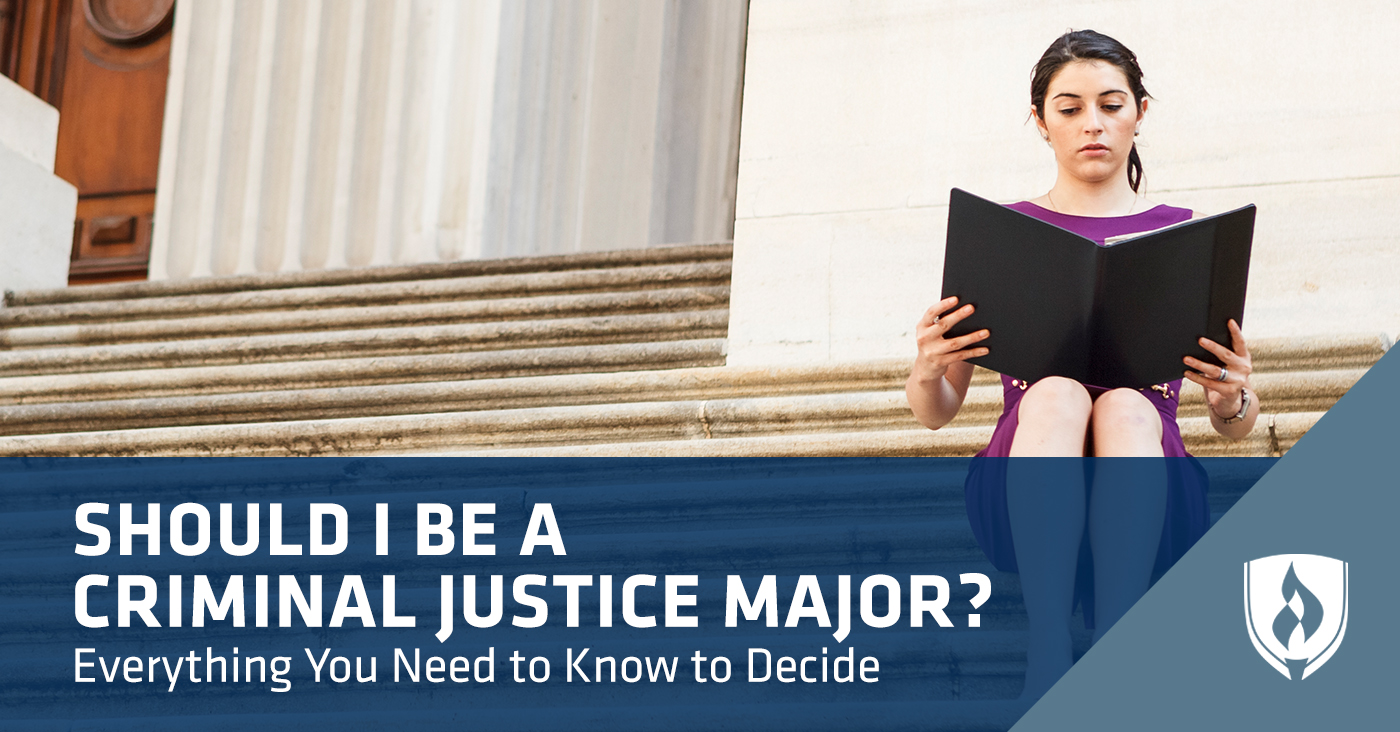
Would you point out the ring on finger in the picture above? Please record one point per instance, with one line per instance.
(1224, 374)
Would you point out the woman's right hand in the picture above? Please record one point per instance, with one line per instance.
(937, 353)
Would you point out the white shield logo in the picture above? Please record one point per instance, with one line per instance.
(1295, 606)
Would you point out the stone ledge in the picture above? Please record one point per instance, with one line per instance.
(366, 275)
(806, 425)
(947, 442)
(1339, 351)
(497, 287)
(431, 396)
(361, 317)
(732, 399)
(368, 343)
(1286, 391)
(347, 372)
(1273, 435)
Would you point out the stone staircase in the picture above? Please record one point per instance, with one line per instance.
(614, 354)
(605, 354)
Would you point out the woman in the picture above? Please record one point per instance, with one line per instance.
(1088, 102)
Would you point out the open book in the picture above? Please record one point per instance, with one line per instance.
(1123, 314)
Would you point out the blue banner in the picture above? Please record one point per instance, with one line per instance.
(526, 594)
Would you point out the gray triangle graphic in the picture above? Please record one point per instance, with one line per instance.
(1182, 658)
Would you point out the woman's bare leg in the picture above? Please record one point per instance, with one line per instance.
(1128, 504)
(1045, 500)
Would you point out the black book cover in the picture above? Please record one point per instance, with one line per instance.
(1123, 315)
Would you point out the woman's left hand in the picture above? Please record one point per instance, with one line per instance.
(1223, 396)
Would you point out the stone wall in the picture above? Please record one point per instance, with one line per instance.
(858, 118)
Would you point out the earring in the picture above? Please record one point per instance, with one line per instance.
(1137, 132)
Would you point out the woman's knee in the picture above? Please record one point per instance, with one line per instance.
(1056, 397)
(1125, 410)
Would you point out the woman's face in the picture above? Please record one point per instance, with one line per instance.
(1090, 119)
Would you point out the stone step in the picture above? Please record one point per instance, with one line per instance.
(336, 373)
(600, 354)
(655, 256)
(871, 424)
(502, 293)
(369, 343)
(364, 316)
(1285, 391)
(28, 414)
(1274, 435)
(203, 395)
(1358, 353)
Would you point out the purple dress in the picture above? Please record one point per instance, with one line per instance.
(1188, 514)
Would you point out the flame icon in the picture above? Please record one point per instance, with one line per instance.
(1296, 627)
(1288, 620)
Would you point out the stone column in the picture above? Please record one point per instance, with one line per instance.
(310, 134)
(36, 206)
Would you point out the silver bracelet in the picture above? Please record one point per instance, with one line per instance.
(1244, 409)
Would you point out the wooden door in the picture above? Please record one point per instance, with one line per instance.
(103, 64)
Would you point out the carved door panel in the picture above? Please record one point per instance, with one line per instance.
(103, 64)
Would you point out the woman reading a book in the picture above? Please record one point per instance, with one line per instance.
(1093, 538)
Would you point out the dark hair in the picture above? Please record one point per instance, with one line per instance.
(1087, 45)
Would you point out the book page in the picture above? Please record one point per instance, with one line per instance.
(1110, 241)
